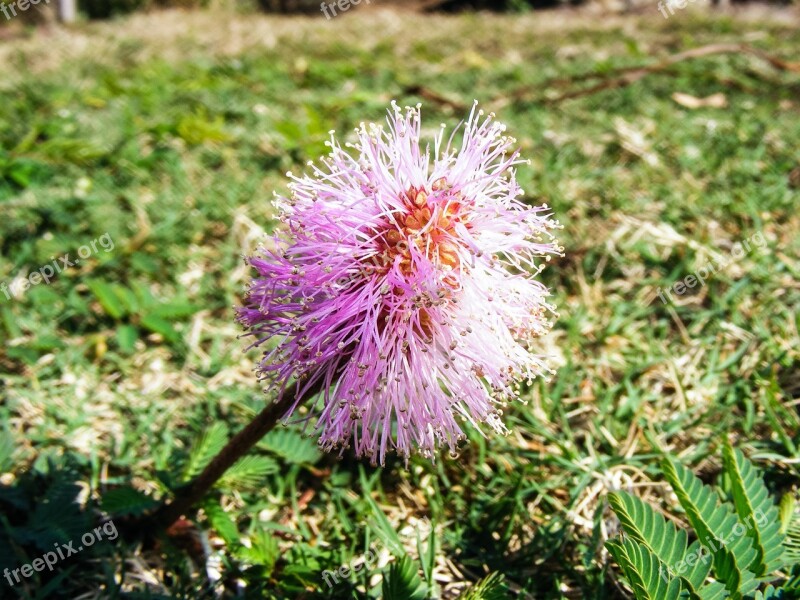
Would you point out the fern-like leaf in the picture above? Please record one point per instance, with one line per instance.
(292, 446)
(646, 575)
(491, 587)
(770, 593)
(756, 511)
(7, 450)
(126, 500)
(791, 542)
(402, 582)
(263, 550)
(222, 522)
(207, 446)
(249, 472)
(713, 591)
(716, 525)
(643, 524)
(694, 568)
(786, 511)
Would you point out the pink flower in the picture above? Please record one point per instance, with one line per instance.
(406, 288)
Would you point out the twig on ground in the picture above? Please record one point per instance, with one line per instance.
(621, 77)
(428, 94)
(628, 75)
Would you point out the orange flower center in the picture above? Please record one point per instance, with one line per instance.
(427, 223)
(429, 227)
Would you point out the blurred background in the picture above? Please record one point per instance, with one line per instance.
(140, 145)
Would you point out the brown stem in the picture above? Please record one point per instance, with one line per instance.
(628, 75)
(189, 495)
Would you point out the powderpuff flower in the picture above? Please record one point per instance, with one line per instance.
(405, 290)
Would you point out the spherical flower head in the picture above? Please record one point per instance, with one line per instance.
(406, 288)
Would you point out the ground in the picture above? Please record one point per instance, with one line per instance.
(161, 138)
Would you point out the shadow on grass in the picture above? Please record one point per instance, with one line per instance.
(48, 537)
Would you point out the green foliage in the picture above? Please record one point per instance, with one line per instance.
(739, 540)
(755, 507)
(792, 540)
(126, 501)
(222, 522)
(713, 521)
(196, 129)
(291, 446)
(249, 472)
(771, 593)
(491, 587)
(138, 306)
(205, 448)
(172, 139)
(39, 511)
(6, 450)
(402, 582)
(262, 551)
(644, 571)
(659, 537)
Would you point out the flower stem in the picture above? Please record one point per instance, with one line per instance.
(190, 494)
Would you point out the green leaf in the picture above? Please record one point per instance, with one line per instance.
(21, 171)
(491, 587)
(23, 353)
(643, 524)
(108, 299)
(58, 583)
(10, 321)
(716, 526)
(127, 297)
(123, 501)
(668, 543)
(427, 557)
(57, 515)
(645, 574)
(757, 513)
(402, 582)
(383, 527)
(222, 522)
(7, 449)
(263, 550)
(158, 325)
(786, 510)
(204, 449)
(291, 446)
(76, 151)
(770, 593)
(249, 472)
(712, 591)
(198, 128)
(126, 338)
(174, 310)
(698, 562)
(791, 542)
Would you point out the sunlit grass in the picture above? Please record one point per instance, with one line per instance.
(174, 146)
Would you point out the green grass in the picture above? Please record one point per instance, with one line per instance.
(116, 370)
